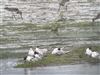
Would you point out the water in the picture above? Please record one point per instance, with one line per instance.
(6, 68)
(17, 38)
(21, 37)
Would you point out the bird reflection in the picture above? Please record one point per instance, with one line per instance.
(27, 71)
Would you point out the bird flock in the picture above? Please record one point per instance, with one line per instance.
(38, 54)
(93, 54)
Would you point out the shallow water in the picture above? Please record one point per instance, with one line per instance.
(6, 68)
(13, 39)
(17, 37)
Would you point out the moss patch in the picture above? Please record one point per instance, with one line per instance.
(73, 57)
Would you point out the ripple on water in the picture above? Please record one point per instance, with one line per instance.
(69, 36)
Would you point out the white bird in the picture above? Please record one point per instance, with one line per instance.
(94, 54)
(41, 51)
(30, 52)
(31, 58)
(28, 58)
(55, 51)
(91, 53)
(88, 51)
(37, 55)
(44, 51)
(58, 51)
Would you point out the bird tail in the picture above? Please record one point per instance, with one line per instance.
(67, 52)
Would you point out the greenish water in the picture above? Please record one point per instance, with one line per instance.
(21, 37)
(6, 68)
(18, 38)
